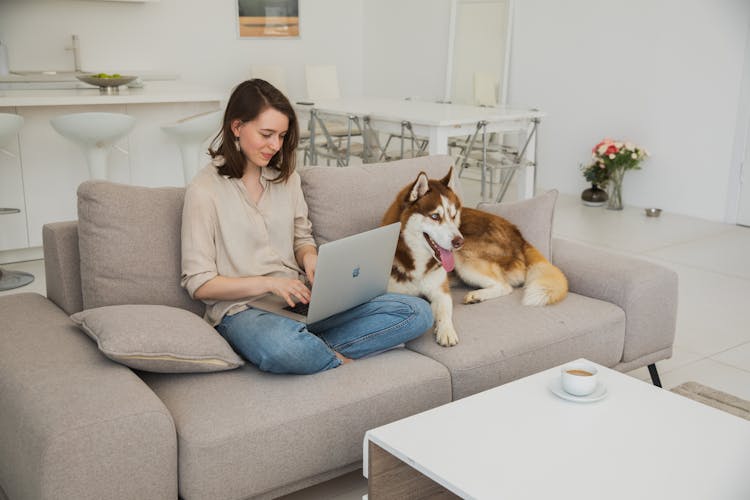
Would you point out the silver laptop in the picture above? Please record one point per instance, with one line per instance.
(350, 271)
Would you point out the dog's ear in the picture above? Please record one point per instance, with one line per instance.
(420, 187)
(447, 181)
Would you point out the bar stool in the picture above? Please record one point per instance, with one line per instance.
(190, 133)
(10, 124)
(96, 133)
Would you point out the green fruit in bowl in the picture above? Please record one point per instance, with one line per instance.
(105, 75)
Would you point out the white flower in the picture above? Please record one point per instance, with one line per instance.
(611, 157)
(618, 145)
(634, 156)
(602, 149)
(630, 146)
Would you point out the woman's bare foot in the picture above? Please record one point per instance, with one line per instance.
(344, 359)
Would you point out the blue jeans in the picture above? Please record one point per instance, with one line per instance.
(278, 344)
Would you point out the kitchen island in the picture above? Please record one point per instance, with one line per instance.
(45, 170)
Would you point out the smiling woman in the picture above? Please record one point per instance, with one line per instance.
(268, 18)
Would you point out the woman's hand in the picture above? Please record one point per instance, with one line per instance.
(288, 287)
(309, 261)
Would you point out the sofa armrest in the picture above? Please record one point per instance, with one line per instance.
(62, 265)
(647, 292)
(74, 424)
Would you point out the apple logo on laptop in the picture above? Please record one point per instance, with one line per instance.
(355, 272)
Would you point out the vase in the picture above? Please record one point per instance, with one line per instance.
(594, 196)
(615, 189)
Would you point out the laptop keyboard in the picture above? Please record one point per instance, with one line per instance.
(299, 308)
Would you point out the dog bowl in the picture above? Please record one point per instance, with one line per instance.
(653, 212)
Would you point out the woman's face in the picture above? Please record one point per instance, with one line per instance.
(261, 139)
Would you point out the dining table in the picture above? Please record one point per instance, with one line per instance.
(440, 121)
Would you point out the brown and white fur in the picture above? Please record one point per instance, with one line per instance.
(438, 235)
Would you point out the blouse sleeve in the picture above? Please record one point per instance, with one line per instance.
(198, 239)
(302, 225)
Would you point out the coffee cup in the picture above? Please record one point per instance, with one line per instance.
(579, 378)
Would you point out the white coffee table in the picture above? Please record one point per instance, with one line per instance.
(520, 441)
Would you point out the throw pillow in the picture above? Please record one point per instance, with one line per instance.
(533, 217)
(157, 339)
(129, 243)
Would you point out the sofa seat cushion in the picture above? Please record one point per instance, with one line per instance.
(502, 340)
(244, 432)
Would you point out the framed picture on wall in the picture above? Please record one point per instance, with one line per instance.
(268, 18)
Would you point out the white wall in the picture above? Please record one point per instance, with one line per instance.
(405, 48)
(196, 39)
(665, 75)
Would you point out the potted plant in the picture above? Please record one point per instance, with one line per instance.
(595, 196)
(611, 160)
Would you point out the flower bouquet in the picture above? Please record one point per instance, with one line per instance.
(611, 160)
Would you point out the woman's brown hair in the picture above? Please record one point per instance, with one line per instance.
(249, 99)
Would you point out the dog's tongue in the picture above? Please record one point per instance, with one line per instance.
(446, 259)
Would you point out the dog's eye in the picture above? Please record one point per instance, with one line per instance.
(435, 216)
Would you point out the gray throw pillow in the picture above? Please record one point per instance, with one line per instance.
(533, 217)
(129, 242)
(157, 339)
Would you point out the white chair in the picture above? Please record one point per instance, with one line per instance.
(95, 133)
(270, 73)
(10, 124)
(322, 82)
(190, 134)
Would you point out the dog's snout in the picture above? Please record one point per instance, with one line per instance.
(457, 242)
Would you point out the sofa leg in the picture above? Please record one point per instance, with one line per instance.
(654, 375)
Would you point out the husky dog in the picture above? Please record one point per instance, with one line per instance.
(438, 235)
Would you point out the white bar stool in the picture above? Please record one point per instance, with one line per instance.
(10, 124)
(96, 133)
(190, 133)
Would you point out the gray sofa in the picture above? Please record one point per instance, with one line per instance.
(75, 424)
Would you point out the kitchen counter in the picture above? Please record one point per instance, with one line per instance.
(83, 94)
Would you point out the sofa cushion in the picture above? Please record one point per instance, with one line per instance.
(129, 243)
(533, 217)
(243, 433)
(349, 200)
(157, 339)
(501, 340)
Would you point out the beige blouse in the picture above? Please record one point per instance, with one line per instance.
(225, 233)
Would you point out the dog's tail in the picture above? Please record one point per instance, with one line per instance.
(545, 283)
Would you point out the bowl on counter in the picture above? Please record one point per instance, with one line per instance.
(107, 84)
(653, 212)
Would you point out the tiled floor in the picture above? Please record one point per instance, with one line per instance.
(713, 326)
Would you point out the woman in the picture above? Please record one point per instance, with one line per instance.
(245, 232)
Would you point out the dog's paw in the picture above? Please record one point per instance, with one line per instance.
(446, 336)
(473, 297)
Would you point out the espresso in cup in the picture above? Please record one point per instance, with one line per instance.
(579, 378)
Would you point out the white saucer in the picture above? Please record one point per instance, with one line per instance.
(599, 393)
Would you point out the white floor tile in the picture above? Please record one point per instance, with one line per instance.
(713, 313)
(680, 357)
(725, 253)
(712, 374)
(629, 229)
(739, 357)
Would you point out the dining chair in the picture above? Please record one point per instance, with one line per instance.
(361, 140)
(322, 82)
(273, 74)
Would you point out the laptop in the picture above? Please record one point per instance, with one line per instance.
(349, 272)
